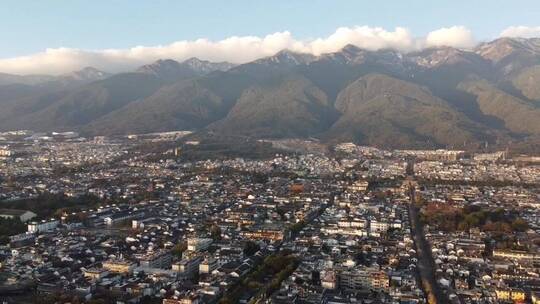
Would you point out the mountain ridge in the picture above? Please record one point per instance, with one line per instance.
(434, 97)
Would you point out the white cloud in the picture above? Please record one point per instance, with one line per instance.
(455, 36)
(234, 49)
(365, 37)
(521, 31)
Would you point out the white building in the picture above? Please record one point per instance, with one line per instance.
(208, 265)
(378, 226)
(43, 226)
(187, 267)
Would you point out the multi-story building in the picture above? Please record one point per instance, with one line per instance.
(43, 226)
(198, 244)
(21, 215)
(516, 255)
(5, 152)
(535, 297)
(95, 273)
(329, 279)
(358, 186)
(119, 265)
(363, 279)
(208, 265)
(188, 267)
(21, 239)
(515, 295)
(264, 234)
(160, 259)
(122, 216)
(189, 298)
(378, 226)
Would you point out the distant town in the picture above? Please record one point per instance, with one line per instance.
(156, 218)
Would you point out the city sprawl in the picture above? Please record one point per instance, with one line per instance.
(132, 219)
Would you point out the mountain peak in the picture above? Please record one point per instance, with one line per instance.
(287, 57)
(205, 66)
(166, 61)
(348, 54)
(160, 67)
(351, 49)
(516, 41)
(168, 70)
(172, 70)
(194, 60)
(160, 63)
(86, 74)
(288, 52)
(444, 55)
(501, 48)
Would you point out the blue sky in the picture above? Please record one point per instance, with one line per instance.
(31, 26)
(46, 36)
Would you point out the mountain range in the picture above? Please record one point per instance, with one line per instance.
(437, 97)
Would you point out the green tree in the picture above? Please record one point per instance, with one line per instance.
(215, 232)
(520, 225)
(179, 249)
(9, 227)
(250, 248)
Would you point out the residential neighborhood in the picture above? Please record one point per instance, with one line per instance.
(107, 220)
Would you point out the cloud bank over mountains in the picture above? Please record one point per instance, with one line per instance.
(521, 31)
(245, 48)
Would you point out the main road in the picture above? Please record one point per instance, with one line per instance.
(426, 265)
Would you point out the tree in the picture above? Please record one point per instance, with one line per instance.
(9, 227)
(178, 249)
(520, 225)
(215, 232)
(250, 248)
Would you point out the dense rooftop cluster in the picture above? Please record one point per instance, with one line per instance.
(117, 220)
